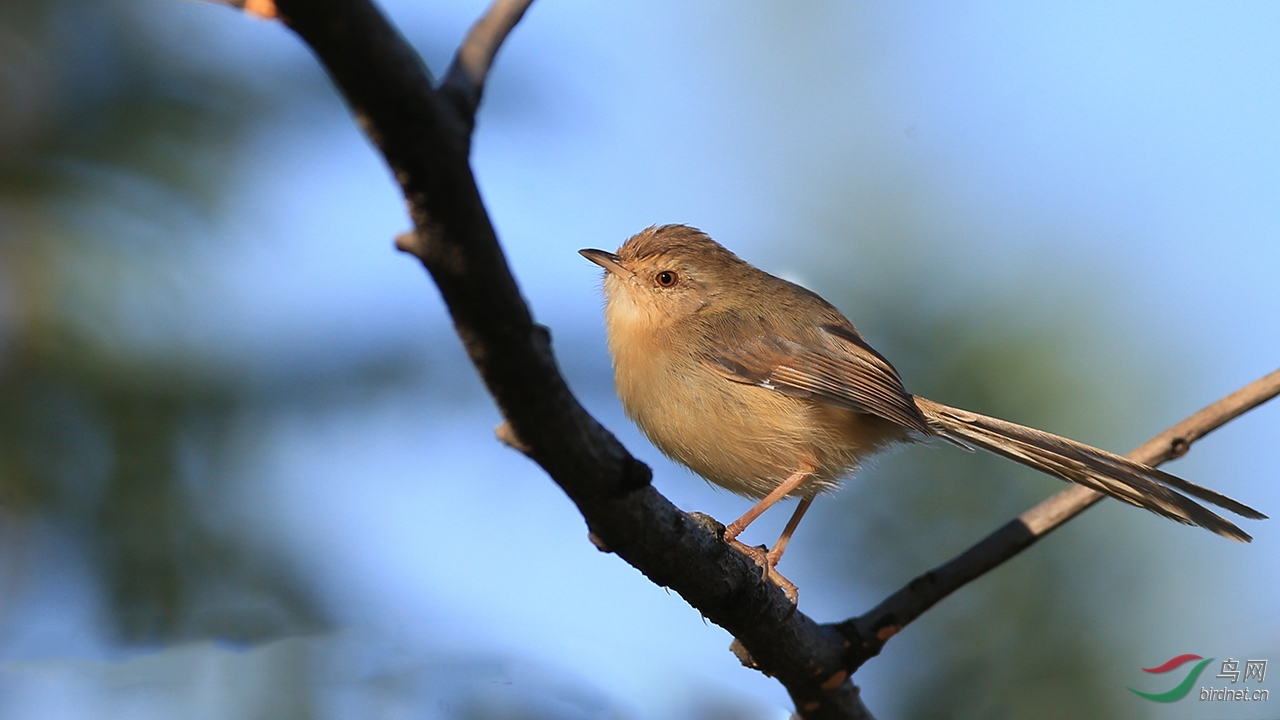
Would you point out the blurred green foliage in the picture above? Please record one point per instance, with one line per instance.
(113, 155)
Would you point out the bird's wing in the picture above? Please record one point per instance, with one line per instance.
(833, 365)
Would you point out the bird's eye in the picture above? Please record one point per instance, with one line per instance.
(666, 278)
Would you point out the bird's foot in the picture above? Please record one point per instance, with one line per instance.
(760, 555)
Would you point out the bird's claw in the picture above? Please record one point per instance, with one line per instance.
(759, 554)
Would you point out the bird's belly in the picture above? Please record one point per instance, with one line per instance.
(749, 439)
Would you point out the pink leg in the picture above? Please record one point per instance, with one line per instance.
(769, 501)
(775, 553)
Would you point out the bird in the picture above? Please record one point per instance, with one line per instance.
(762, 387)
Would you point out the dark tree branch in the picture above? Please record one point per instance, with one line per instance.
(868, 633)
(424, 134)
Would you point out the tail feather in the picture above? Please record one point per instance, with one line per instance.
(1108, 473)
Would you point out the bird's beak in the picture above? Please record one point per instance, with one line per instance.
(606, 260)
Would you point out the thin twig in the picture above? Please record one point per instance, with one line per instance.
(475, 56)
(464, 82)
(869, 632)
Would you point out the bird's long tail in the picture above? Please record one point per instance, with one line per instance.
(1108, 473)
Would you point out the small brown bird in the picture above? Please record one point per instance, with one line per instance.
(764, 388)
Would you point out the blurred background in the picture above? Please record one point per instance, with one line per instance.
(246, 470)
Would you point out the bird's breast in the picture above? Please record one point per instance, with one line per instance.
(742, 437)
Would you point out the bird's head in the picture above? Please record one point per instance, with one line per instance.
(664, 274)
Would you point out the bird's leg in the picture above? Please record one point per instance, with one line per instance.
(766, 560)
(775, 553)
(783, 490)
